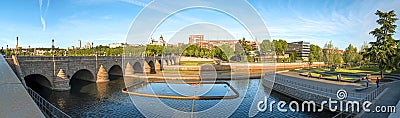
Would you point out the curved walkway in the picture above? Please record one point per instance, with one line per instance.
(15, 102)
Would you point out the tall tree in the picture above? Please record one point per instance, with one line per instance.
(337, 58)
(329, 52)
(350, 55)
(315, 54)
(383, 51)
(280, 46)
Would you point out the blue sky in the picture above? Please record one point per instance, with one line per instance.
(107, 21)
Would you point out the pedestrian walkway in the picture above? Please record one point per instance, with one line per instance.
(390, 98)
(15, 102)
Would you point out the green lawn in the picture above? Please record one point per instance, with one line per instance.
(364, 70)
(312, 74)
(329, 76)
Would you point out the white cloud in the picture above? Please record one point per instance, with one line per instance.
(43, 11)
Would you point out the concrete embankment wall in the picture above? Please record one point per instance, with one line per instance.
(299, 94)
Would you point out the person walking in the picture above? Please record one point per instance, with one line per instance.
(377, 82)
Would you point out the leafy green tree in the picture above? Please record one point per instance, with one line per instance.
(329, 53)
(227, 50)
(242, 50)
(382, 51)
(219, 53)
(293, 56)
(245, 47)
(266, 46)
(350, 55)
(365, 60)
(315, 54)
(337, 58)
(280, 46)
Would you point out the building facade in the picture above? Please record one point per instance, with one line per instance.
(302, 49)
(160, 42)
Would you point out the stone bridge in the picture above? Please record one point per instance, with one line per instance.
(56, 72)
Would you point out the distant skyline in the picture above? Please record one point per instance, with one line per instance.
(102, 22)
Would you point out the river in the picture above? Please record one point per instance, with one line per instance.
(87, 99)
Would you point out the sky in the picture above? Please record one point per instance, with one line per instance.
(36, 22)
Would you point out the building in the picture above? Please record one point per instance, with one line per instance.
(71, 48)
(302, 49)
(79, 44)
(88, 46)
(196, 39)
(116, 45)
(160, 42)
(209, 44)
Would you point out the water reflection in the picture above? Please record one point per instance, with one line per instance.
(87, 99)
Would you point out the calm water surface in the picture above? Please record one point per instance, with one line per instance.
(87, 99)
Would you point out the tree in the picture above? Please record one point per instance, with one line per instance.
(315, 54)
(383, 51)
(266, 46)
(280, 46)
(293, 56)
(242, 50)
(365, 60)
(329, 52)
(350, 55)
(337, 58)
(227, 50)
(219, 53)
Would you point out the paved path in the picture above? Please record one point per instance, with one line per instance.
(390, 98)
(15, 101)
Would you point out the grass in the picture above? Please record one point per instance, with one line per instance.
(330, 76)
(312, 74)
(194, 63)
(364, 70)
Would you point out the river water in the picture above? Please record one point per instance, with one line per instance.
(87, 99)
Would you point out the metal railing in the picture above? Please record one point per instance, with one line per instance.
(47, 108)
(369, 97)
(318, 88)
(372, 95)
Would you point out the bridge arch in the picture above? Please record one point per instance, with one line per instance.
(137, 68)
(34, 80)
(152, 67)
(83, 74)
(115, 72)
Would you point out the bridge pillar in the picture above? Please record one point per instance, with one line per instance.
(61, 82)
(158, 66)
(129, 69)
(102, 75)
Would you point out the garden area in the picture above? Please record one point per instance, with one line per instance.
(349, 74)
